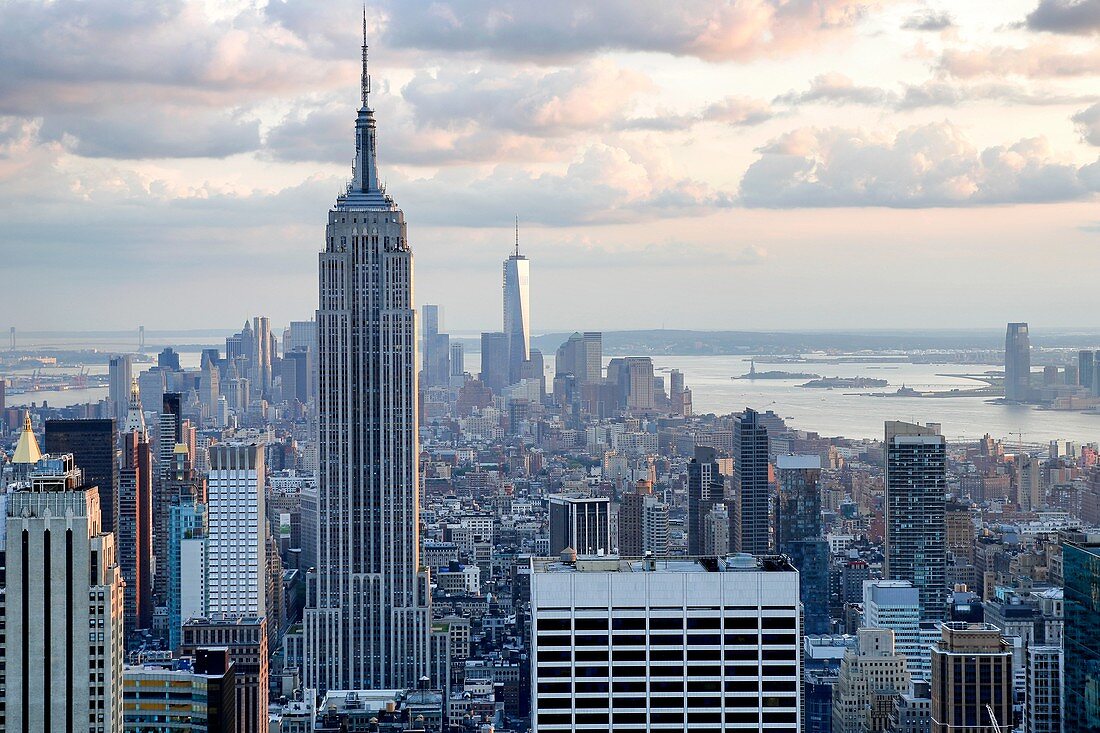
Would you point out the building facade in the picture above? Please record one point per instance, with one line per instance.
(622, 644)
(971, 675)
(1017, 363)
(752, 508)
(367, 617)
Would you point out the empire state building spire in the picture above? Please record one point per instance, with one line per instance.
(365, 188)
(365, 81)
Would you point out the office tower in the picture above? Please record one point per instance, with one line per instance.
(261, 357)
(191, 694)
(751, 518)
(367, 618)
(971, 673)
(61, 580)
(120, 372)
(436, 348)
(717, 639)
(187, 568)
(94, 445)
(165, 489)
(301, 336)
(1043, 699)
(297, 374)
(246, 639)
(643, 522)
(798, 535)
(135, 530)
(457, 363)
(582, 356)
(209, 386)
(1017, 363)
(236, 554)
(916, 481)
(582, 523)
(872, 676)
(168, 360)
(152, 385)
(716, 531)
(3, 401)
(705, 487)
(494, 361)
(517, 311)
(1086, 365)
(895, 605)
(633, 375)
(1081, 640)
(679, 396)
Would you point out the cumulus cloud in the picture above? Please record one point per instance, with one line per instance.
(606, 185)
(1080, 17)
(1041, 60)
(837, 89)
(1088, 122)
(730, 111)
(699, 28)
(922, 166)
(929, 20)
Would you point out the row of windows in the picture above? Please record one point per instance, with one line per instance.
(626, 639)
(665, 718)
(676, 685)
(694, 703)
(657, 670)
(780, 654)
(669, 624)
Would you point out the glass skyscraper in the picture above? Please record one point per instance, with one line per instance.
(1081, 570)
(751, 526)
(798, 535)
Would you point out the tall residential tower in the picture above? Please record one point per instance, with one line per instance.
(367, 617)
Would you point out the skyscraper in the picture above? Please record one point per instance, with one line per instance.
(436, 348)
(798, 535)
(704, 490)
(120, 372)
(916, 482)
(971, 675)
(1081, 571)
(1086, 366)
(517, 310)
(61, 651)
(236, 531)
(581, 523)
(94, 445)
(494, 360)
(367, 620)
(751, 525)
(1017, 363)
(135, 529)
(261, 357)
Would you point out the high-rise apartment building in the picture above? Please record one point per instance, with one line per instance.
(62, 648)
(367, 620)
(181, 695)
(681, 645)
(971, 675)
(916, 484)
(236, 549)
(187, 568)
(798, 534)
(705, 489)
(1081, 640)
(517, 311)
(1017, 363)
(120, 372)
(872, 676)
(1043, 697)
(582, 523)
(752, 513)
(94, 446)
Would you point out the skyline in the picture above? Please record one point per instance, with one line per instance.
(702, 138)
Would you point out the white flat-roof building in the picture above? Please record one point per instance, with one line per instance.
(708, 644)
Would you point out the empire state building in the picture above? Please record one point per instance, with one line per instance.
(367, 619)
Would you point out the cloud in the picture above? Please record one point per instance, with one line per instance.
(929, 20)
(730, 111)
(551, 31)
(1081, 17)
(1042, 60)
(923, 166)
(605, 185)
(836, 88)
(1088, 122)
(545, 104)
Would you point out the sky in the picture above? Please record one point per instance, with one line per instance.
(738, 164)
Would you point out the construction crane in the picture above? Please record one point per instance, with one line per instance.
(993, 719)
